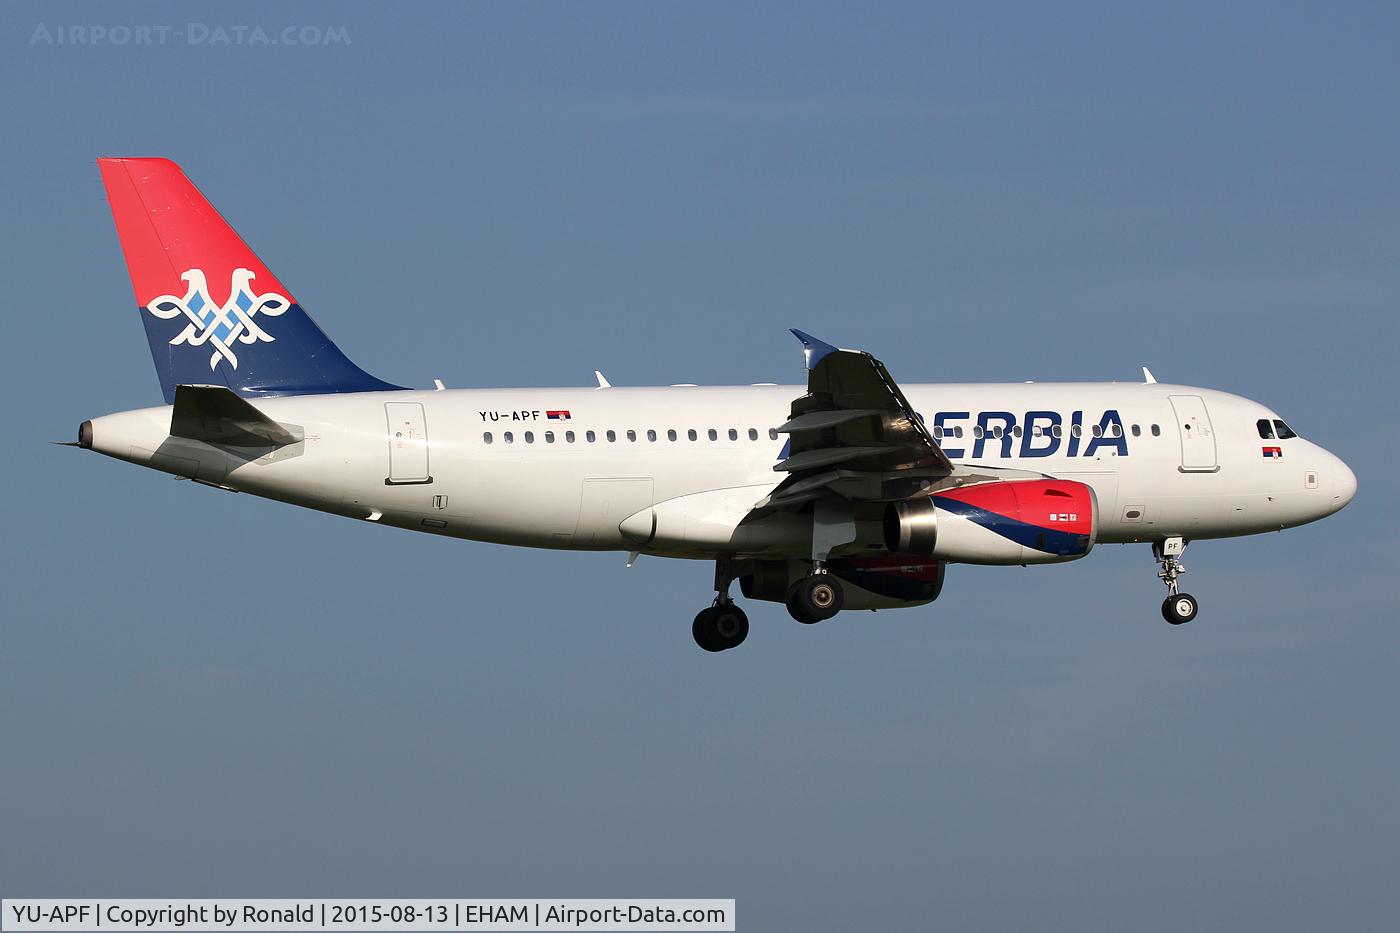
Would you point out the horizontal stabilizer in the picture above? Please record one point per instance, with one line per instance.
(217, 415)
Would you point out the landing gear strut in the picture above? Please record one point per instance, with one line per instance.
(815, 597)
(1177, 608)
(722, 625)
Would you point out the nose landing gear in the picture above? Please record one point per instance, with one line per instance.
(1177, 608)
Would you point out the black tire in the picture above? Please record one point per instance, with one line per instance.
(702, 630)
(719, 628)
(815, 598)
(1179, 609)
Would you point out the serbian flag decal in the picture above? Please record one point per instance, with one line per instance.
(562, 415)
(1273, 453)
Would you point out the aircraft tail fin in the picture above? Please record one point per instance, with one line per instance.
(213, 312)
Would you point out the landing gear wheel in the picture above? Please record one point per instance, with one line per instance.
(1179, 609)
(815, 598)
(720, 627)
(700, 630)
(729, 624)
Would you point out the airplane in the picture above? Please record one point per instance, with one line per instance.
(848, 493)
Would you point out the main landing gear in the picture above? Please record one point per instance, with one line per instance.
(815, 597)
(722, 625)
(1177, 608)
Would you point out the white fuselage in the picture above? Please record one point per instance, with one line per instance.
(491, 465)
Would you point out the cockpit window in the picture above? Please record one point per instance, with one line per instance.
(1266, 430)
(1284, 431)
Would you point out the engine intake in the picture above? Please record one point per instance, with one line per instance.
(1006, 522)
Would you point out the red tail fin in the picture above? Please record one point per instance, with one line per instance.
(213, 312)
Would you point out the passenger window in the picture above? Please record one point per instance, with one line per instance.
(651, 434)
(1077, 430)
(772, 434)
(714, 435)
(671, 434)
(1056, 431)
(486, 438)
(733, 434)
(997, 432)
(957, 431)
(977, 431)
(1137, 430)
(1266, 430)
(569, 436)
(632, 435)
(753, 434)
(612, 437)
(590, 436)
(1284, 431)
(1156, 430)
(529, 437)
(1098, 431)
(691, 434)
(1115, 430)
(1016, 431)
(937, 433)
(549, 437)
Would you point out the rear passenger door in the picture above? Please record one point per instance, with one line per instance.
(408, 443)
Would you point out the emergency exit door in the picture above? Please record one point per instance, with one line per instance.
(1197, 438)
(408, 443)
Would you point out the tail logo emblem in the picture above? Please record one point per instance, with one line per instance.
(216, 326)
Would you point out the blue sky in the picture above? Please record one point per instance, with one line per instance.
(204, 694)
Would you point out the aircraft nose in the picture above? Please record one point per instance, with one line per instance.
(1343, 484)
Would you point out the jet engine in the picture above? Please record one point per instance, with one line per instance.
(1005, 522)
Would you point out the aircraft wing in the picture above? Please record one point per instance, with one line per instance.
(853, 434)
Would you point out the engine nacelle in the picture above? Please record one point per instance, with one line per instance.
(887, 582)
(1038, 521)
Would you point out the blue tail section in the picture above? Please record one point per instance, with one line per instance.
(214, 314)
